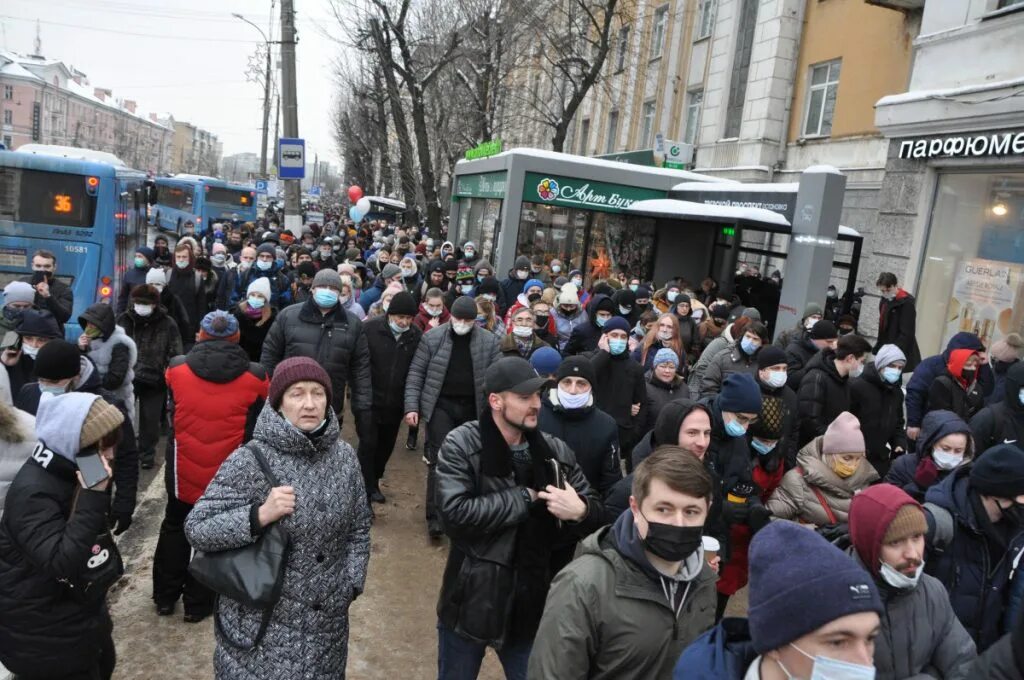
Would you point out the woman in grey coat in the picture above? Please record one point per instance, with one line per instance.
(322, 504)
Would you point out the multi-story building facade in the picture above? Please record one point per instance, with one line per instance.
(240, 167)
(47, 102)
(951, 211)
(194, 150)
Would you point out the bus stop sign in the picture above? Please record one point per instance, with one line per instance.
(261, 186)
(291, 160)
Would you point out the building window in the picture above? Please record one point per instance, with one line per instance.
(821, 99)
(8, 142)
(647, 130)
(741, 67)
(584, 136)
(658, 31)
(705, 18)
(8, 92)
(613, 131)
(8, 117)
(620, 59)
(694, 101)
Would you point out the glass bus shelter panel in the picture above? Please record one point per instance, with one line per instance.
(479, 222)
(553, 232)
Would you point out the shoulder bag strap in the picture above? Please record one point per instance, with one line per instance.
(257, 453)
(821, 499)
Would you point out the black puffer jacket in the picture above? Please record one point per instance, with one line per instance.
(878, 405)
(591, 434)
(585, 336)
(45, 631)
(660, 393)
(488, 580)
(822, 396)
(1002, 422)
(187, 286)
(335, 340)
(390, 359)
(799, 353)
(252, 332)
(158, 341)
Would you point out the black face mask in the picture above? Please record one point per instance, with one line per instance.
(1013, 513)
(968, 374)
(542, 320)
(670, 542)
(533, 297)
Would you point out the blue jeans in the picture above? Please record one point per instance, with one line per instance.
(460, 659)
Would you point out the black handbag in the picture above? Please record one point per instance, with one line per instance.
(252, 575)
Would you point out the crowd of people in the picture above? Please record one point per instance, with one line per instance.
(610, 460)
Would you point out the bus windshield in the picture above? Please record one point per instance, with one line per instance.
(51, 198)
(232, 197)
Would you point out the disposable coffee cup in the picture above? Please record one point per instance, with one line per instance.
(711, 547)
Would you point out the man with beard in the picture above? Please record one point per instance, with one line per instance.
(514, 502)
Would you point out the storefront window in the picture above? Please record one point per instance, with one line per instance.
(478, 222)
(972, 275)
(599, 242)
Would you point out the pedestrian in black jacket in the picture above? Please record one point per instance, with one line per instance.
(1003, 422)
(186, 284)
(619, 389)
(824, 390)
(876, 398)
(584, 337)
(822, 335)
(511, 527)
(255, 316)
(35, 330)
(568, 413)
(512, 285)
(663, 384)
(57, 558)
(136, 276)
(392, 340)
(778, 398)
(52, 294)
(897, 319)
(957, 389)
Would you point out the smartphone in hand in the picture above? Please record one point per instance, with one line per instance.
(92, 468)
(11, 341)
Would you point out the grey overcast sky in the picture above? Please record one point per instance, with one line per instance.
(186, 57)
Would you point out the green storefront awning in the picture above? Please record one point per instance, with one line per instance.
(572, 192)
(483, 185)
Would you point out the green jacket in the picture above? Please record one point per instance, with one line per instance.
(608, 617)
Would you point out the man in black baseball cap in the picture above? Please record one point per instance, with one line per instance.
(513, 501)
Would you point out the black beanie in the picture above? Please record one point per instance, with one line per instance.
(402, 304)
(58, 360)
(999, 471)
(770, 355)
(464, 308)
(576, 366)
(489, 286)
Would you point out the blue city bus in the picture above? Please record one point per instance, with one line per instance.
(202, 201)
(83, 206)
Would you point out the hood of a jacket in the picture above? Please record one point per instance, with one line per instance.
(600, 303)
(724, 652)
(626, 540)
(1014, 383)
(963, 340)
(951, 493)
(483, 264)
(217, 361)
(624, 298)
(666, 428)
(955, 364)
(818, 473)
(101, 315)
(824, 360)
(881, 507)
(938, 424)
(59, 421)
(872, 377)
(88, 377)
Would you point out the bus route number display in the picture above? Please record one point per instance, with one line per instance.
(62, 203)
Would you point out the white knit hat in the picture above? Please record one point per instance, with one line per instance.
(260, 286)
(156, 277)
(568, 295)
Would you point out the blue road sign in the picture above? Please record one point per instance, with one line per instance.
(314, 191)
(261, 186)
(291, 158)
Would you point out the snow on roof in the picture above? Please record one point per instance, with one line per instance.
(544, 154)
(823, 170)
(387, 202)
(779, 187)
(71, 152)
(15, 70)
(848, 231)
(670, 207)
(918, 95)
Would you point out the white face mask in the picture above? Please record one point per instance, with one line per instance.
(809, 324)
(143, 310)
(898, 579)
(825, 668)
(777, 379)
(522, 331)
(30, 350)
(462, 327)
(665, 334)
(946, 460)
(572, 401)
(855, 373)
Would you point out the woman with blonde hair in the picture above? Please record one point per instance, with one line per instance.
(487, 318)
(664, 334)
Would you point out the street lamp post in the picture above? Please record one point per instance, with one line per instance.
(266, 96)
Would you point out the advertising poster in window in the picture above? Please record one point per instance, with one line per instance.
(988, 300)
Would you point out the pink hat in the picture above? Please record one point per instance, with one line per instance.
(1007, 350)
(843, 435)
(394, 288)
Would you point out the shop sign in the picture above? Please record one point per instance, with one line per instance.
(573, 192)
(36, 122)
(781, 202)
(484, 185)
(987, 300)
(964, 146)
(665, 154)
(484, 149)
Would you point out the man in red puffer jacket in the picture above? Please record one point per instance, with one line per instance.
(216, 395)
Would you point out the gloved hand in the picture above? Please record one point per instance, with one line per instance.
(926, 473)
(835, 532)
(120, 521)
(735, 513)
(759, 518)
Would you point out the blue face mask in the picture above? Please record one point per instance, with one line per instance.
(617, 346)
(748, 346)
(256, 302)
(891, 374)
(325, 297)
(396, 329)
(761, 447)
(600, 321)
(55, 390)
(1020, 396)
(734, 429)
(264, 266)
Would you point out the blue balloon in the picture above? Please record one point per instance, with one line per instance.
(354, 214)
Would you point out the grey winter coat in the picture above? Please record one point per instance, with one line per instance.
(714, 348)
(334, 340)
(330, 547)
(429, 366)
(725, 363)
(921, 637)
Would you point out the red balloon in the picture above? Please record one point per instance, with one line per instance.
(355, 193)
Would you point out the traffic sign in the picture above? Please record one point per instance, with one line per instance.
(291, 158)
(261, 186)
(314, 191)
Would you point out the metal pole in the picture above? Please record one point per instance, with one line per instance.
(266, 95)
(293, 190)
